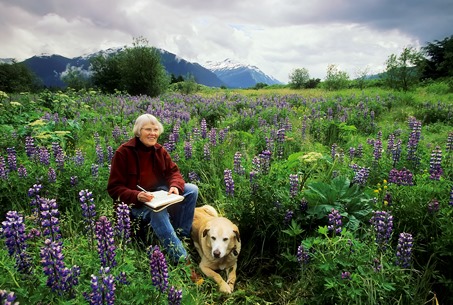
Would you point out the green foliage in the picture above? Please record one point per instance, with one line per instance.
(135, 70)
(299, 78)
(404, 71)
(17, 77)
(335, 78)
(439, 63)
(76, 78)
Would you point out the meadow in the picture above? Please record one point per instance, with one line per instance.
(341, 197)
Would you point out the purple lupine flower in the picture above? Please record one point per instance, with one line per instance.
(170, 146)
(303, 256)
(158, 268)
(449, 146)
(116, 133)
(265, 161)
(204, 129)
(253, 184)
(188, 150)
(396, 152)
(174, 296)
(30, 148)
(387, 200)
(334, 222)
(293, 185)
(377, 150)
(44, 156)
(404, 250)
(346, 275)
(13, 230)
(288, 217)
(12, 158)
(280, 142)
(48, 218)
(94, 170)
(7, 298)
(34, 193)
(402, 177)
(110, 154)
(99, 154)
(175, 132)
(3, 169)
(361, 174)
(229, 183)
(390, 144)
(213, 137)
(333, 151)
(58, 154)
(383, 227)
(193, 177)
(51, 175)
(22, 171)
(102, 288)
(79, 159)
(377, 266)
(88, 211)
(106, 242)
(303, 205)
(414, 139)
(256, 164)
(96, 137)
(433, 206)
(123, 224)
(435, 167)
(359, 151)
(238, 168)
(74, 180)
(59, 278)
(206, 152)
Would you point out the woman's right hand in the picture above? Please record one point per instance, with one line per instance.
(145, 196)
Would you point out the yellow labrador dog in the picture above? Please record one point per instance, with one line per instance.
(218, 242)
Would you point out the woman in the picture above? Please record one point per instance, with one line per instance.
(142, 161)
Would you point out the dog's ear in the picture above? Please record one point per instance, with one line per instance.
(205, 232)
(238, 237)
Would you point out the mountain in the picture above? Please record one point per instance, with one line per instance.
(50, 68)
(236, 75)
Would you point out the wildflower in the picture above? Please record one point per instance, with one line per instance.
(12, 158)
(404, 250)
(44, 156)
(22, 171)
(265, 161)
(94, 170)
(451, 196)
(51, 175)
(335, 222)
(449, 146)
(74, 180)
(13, 230)
(105, 241)
(402, 177)
(193, 177)
(213, 137)
(433, 206)
(303, 205)
(288, 216)
(79, 159)
(203, 129)
(48, 218)
(116, 133)
(253, 184)
(58, 155)
(294, 185)
(280, 142)
(303, 257)
(3, 170)
(383, 227)
(377, 266)
(159, 269)
(346, 275)
(238, 168)
(333, 151)
(174, 296)
(170, 146)
(229, 183)
(59, 278)
(123, 225)
(206, 152)
(188, 150)
(102, 288)
(99, 154)
(435, 168)
(110, 154)
(361, 174)
(7, 298)
(88, 211)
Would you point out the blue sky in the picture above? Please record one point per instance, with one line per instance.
(275, 36)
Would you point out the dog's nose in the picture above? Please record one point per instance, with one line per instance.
(216, 253)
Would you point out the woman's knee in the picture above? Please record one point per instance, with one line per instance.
(190, 188)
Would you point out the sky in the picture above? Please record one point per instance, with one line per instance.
(276, 36)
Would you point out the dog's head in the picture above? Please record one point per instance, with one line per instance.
(222, 238)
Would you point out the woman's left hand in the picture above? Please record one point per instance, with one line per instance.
(173, 190)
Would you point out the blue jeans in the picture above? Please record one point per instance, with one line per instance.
(176, 218)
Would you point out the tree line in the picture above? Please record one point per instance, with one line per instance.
(138, 70)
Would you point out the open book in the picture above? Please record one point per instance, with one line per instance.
(163, 199)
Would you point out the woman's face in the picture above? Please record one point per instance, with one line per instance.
(149, 134)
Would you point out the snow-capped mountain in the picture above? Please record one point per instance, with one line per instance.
(237, 75)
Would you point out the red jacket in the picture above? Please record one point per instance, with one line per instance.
(126, 171)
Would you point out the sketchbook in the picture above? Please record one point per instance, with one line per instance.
(162, 200)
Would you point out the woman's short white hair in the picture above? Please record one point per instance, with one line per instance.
(146, 119)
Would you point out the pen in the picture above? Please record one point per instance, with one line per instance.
(142, 188)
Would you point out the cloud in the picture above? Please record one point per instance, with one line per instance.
(275, 36)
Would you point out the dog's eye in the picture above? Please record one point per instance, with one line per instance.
(225, 239)
(212, 237)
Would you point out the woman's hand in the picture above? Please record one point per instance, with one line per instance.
(173, 190)
(145, 196)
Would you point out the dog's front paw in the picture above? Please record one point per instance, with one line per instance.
(231, 284)
(225, 288)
